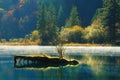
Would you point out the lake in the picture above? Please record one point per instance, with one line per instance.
(95, 63)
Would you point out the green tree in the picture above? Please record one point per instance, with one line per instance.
(60, 17)
(73, 18)
(47, 24)
(111, 18)
(51, 25)
(41, 23)
(1, 13)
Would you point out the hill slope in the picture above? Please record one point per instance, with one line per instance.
(19, 17)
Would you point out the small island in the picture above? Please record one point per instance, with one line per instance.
(40, 62)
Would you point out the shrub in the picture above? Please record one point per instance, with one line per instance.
(73, 34)
(13, 40)
(1, 9)
(3, 40)
(34, 35)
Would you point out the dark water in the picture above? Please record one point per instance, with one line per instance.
(110, 70)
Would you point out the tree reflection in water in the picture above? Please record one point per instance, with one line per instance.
(101, 68)
(85, 73)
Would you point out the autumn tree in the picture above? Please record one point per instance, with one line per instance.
(35, 35)
(72, 34)
(96, 32)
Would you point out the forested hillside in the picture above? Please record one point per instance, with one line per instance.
(19, 17)
(56, 22)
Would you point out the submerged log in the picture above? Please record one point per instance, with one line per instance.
(40, 62)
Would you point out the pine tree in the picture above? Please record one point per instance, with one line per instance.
(73, 18)
(51, 25)
(118, 23)
(47, 24)
(41, 23)
(111, 18)
(60, 17)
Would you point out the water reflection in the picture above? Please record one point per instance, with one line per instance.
(96, 71)
(81, 72)
(86, 73)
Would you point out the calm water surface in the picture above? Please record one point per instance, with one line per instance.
(93, 69)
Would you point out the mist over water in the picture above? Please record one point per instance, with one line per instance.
(51, 50)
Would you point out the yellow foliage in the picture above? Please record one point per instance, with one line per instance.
(77, 28)
(95, 32)
(35, 35)
(38, 41)
(1, 9)
(71, 34)
(85, 44)
(73, 29)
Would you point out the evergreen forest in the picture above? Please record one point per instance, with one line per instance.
(56, 22)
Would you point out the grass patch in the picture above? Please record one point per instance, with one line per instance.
(18, 43)
(66, 44)
(86, 44)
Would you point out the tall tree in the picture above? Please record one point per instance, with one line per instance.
(60, 17)
(73, 18)
(111, 18)
(41, 23)
(41, 17)
(51, 24)
(47, 24)
(0, 23)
